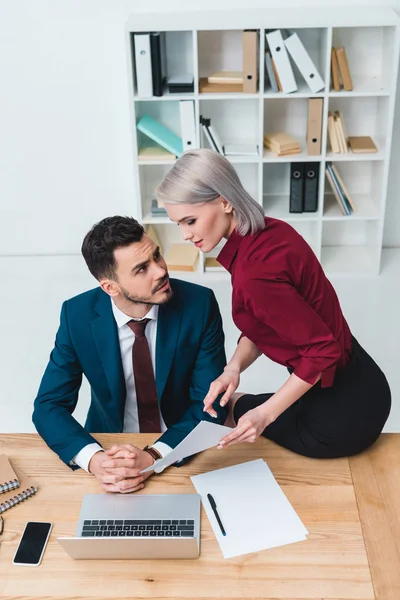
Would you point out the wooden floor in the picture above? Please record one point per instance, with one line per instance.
(349, 506)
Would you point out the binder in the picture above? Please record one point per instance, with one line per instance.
(188, 124)
(335, 71)
(344, 69)
(296, 187)
(310, 194)
(157, 46)
(160, 134)
(144, 77)
(314, 126)
(304, 63)
(279, 54)
(271, 73)
(250, 54)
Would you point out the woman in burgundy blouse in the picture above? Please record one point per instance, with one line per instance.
(336, 399)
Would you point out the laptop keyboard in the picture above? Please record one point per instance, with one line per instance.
(138, 528)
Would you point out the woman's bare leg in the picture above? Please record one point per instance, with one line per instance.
(230, 422)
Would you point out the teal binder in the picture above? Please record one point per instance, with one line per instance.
(160, 134)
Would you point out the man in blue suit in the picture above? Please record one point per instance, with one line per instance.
(149, 346)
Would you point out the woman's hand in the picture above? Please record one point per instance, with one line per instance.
(249, 427)
(227, 382)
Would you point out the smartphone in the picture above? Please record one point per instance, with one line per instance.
(32, 544)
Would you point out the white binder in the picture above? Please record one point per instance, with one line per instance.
(144, 79)
(188, 124)
(306, 66)
(281, 59)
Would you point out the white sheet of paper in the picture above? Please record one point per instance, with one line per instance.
(253, 509)
(203, 436)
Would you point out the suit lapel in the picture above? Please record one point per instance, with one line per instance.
(105, 335)
(168, 326)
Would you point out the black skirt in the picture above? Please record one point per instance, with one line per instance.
(333, 422)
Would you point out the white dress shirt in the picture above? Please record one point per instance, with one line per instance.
(131, 418)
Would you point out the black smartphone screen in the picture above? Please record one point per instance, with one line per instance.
(32, 543)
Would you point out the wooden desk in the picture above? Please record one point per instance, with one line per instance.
(350, 508)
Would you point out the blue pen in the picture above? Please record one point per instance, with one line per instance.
(214, 507)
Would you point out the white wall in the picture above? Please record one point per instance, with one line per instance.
(65, 146)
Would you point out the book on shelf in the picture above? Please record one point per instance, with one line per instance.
(340, 131)
(226, 77)
(182, 257)
(158, 54)
(344, 68)
(281, 144)
(332, 134)
(335, 71)
(188, 124)
(8, 477)
(343, 199)
(219, 88)
(144, 77)
(152, 233)
(343, 187)
(211, 264)
(314, 126)
(14, 497)
(304, 63)
(180, 84)
(279, 53)
(211, 135)
(155, 153)
(271, 72)
(250, 45)
(157, 210)
(241, 149)
(160, 134)
(362, 144)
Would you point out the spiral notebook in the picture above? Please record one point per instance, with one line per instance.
(14, 496)
(8, 477)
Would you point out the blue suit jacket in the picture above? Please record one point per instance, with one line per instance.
(189, 356)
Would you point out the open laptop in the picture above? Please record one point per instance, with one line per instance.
(136, 526)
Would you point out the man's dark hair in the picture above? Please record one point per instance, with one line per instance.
(101, 241)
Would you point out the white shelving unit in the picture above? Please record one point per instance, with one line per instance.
(200, 43)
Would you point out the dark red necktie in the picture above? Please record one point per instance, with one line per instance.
(145, 383)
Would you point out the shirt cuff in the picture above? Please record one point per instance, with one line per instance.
(163, 449)
(82, 459)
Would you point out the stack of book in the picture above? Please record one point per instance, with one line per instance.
(222, 82)
(340, 72)
(337, 133)
(281, 144)
(339, 190)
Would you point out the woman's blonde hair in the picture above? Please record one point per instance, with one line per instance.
(203, 176)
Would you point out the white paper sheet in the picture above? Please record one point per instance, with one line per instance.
(203, 436)
(253, 509)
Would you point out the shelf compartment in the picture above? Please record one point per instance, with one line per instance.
(177, 60)
(220, 50)
(288, 114)
(276, 194)
(364, 182)
(150, 176)
(225, 117)
(367, 115)
(369, 52)
(309, 230)
(315, 41)
(350, 247)
(169, 234)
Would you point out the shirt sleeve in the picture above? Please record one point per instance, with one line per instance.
(82, 459)
(279, 306)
